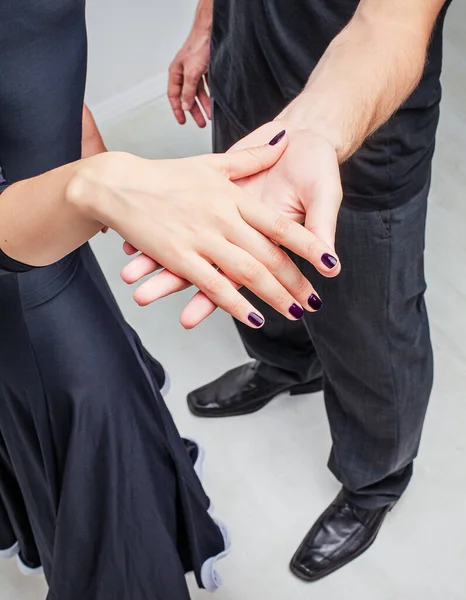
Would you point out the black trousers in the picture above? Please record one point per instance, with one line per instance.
(371, 341)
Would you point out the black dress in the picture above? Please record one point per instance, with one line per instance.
(95, 482)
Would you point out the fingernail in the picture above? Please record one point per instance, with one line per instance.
(256, 319)
(278, 138)
(329, 261)
(185, 106)
(296, 311)
(315, 302)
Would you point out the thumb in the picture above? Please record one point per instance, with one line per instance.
(247, 162)
(322, 211)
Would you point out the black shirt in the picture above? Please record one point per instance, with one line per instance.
(263, 52)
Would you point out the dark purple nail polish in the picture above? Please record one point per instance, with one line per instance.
(278, 138)
(315, 302)
(329, 261)
(256, 319)
(296, 311)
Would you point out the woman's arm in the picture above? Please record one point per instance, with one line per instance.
(185, 214)
(92, 141)
(38, 223)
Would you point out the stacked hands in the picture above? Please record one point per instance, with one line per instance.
(218, 221)
(232, 214)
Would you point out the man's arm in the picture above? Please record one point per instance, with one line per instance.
(367, 72)
(365, 75)
(187, 91)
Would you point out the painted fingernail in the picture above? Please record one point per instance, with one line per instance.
(315, 302)
(296, 311)
(278, 138)
(256, 319)
(329, 261)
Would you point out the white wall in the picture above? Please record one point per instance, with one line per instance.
(131, 41)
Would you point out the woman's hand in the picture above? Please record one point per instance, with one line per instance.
(189, 217)
(92, 141)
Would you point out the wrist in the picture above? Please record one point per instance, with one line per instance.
(314, 113)
(91, 184)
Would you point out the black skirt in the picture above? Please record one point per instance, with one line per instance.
(95, 482)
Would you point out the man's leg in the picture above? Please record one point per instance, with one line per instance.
(372, 337)
(284, 354)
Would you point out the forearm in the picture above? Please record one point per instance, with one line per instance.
(367, 72)
(40, 220)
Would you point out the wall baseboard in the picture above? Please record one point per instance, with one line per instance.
(121, 104)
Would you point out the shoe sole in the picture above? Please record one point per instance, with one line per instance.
(313, 578)
(304, 388)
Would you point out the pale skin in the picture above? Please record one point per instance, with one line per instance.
(92, 141)
(365, 75)
(187, 215)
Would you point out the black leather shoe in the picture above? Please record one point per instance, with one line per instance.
(242, 391)
(340, 535)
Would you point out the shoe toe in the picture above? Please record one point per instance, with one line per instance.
(202, 400)
(307, 567)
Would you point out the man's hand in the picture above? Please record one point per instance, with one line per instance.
(367, 72)
(304, 185)
(187, 80)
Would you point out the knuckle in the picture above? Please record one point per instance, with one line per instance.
(236, 305)
(302, 287)
(313, 247)
(213, 286)
(282, 300)
(192, 78)
(281, 228)
(277, 259)
(175, 67)
(251, 271)
(257, 158)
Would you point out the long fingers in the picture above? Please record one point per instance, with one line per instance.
(291, 235)
(138, 268)
(220, 291)
(278, 264)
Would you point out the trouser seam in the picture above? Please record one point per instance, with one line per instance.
(389, 341)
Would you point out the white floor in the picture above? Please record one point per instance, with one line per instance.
(267, 473)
